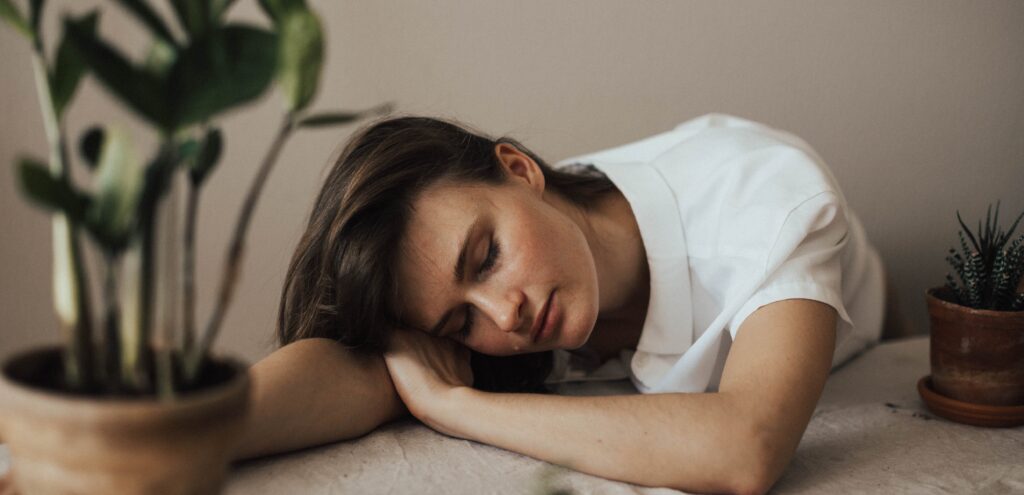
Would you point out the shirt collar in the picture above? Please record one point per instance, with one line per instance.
(668, 327)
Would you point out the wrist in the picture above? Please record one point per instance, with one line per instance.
(450, 414)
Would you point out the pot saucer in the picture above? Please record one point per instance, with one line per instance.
(967, 412)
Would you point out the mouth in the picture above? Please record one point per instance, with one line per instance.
(541, 319)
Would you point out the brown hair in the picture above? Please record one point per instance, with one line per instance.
(341, 282)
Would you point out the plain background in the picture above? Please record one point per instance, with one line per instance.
(917, 106)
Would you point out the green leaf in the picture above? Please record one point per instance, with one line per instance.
(193, 15)
(329, 119)
(156, 183)
(1013, 226)
(45, 190)
(219, 8)
(209, 154)
(11, 14)
(137, 88)
(301, 56)
(145, 13)
(224, 69)
(160, 58)
(188, 150)
(276, 9)
(119, 181)
(35, 14)
(325, 119)
(69, 67)
(90, 145)
(968, 232)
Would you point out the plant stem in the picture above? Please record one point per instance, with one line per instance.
(164, 372)
(70, 287)
(133, 341)
(157, 176)
(189, 268)
(167, 288)
(232, 267)
(128, 340)
(112, 365)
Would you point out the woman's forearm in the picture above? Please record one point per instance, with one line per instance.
(315, 391)
(695, 442)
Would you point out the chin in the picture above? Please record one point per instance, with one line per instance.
(575, 340)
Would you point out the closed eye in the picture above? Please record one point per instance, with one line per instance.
(493, 251)
(492, 257)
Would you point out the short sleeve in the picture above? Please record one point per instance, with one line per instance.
(805, 262)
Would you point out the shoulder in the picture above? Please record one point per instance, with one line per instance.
(736, 155)
(718, 132)
(732, 180)
(737, 190)
(721, 153)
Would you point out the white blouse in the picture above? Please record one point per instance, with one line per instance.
(733, 215)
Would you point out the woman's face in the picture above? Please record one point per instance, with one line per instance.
(527, 280)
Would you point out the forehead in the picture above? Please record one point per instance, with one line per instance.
(440, 216)
(429, 248)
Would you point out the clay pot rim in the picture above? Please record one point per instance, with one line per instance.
(19, 397)
(968, 412)
(934, 299)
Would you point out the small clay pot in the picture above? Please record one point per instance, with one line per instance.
(63, 443)
(977, 355)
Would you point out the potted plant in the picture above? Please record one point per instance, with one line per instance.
(134, 401)
(977, 328)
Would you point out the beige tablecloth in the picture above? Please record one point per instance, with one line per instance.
(869, 434)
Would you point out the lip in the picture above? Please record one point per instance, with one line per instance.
(545, 321)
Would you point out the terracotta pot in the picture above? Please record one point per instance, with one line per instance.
(61, 443)
(977, 355)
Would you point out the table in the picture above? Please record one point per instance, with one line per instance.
(870, 433)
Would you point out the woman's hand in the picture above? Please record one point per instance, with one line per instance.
(425, 370)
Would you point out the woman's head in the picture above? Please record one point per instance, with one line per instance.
(384, 234)
(481, 263)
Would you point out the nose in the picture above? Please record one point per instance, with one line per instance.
(502, 305)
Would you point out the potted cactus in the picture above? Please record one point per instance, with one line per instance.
(977, 324)
(133, 400)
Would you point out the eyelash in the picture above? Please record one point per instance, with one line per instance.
(492, 256)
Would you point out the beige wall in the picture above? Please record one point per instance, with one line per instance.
(916, 105)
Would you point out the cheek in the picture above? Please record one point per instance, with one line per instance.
(491, 345)
(545, 242)
(547, 248)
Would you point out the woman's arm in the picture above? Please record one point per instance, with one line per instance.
(736, 440)
(315, 391)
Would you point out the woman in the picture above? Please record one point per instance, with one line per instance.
(716, 263)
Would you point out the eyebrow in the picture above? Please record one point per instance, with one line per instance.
(457, 273)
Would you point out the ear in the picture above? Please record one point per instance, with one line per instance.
(519, 166)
